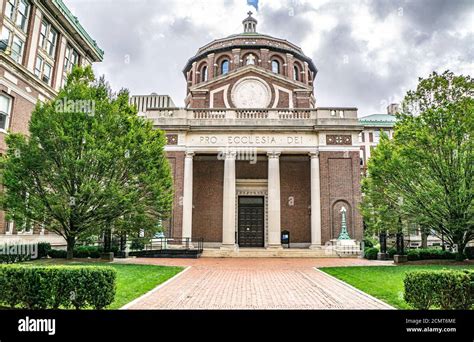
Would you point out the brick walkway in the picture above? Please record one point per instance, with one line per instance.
(256, 284)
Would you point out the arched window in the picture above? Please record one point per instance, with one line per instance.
(224, 67)
(275, 67)
(204, 74)
(296, 73)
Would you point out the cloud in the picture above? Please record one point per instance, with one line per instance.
(369, 53)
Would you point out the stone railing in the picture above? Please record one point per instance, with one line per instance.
(326, 115)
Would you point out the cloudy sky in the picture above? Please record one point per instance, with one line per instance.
(368, 53)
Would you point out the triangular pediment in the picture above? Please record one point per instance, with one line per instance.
(246, 71)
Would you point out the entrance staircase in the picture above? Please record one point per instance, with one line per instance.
(275, 253)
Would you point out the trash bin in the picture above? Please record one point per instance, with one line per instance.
(285, 238)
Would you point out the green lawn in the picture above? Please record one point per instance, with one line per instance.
(382, 282)
(132, 280)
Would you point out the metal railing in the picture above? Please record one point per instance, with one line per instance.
(175, 244)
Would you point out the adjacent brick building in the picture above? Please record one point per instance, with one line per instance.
(40, 42)
(252, 155)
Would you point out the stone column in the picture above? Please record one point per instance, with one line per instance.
(188, 195)
(315, 202)
(274, 219)
(228, 217)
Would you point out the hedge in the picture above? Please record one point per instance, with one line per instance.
(469, 251)
(53, 287)
(371, 253)
(445, 289)
(92, 252)
(429, 253)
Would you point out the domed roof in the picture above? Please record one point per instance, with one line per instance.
(250, 39)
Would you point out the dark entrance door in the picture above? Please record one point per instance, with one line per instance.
(251, 221)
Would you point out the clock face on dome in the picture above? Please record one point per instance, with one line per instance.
(251, 93)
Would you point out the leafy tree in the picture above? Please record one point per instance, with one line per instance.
(429, 163)
(89, 163)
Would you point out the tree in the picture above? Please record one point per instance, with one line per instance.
(429, 163)
(89, 163)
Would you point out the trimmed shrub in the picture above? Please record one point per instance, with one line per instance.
(445, 289)
(429, 253)
(52, 287)
(371, 253)
(87, 252)
(57, 254)
(391, 252)
(469, 252)
(43, 249)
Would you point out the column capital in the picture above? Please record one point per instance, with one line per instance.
(314, 154)
(273, 154)
(229, 155)
(189, 154)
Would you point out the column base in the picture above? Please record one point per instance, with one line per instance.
(315, 246)
(276, 246)
(229, 247)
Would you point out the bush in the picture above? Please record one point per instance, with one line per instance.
(87, 252)
(52, 287)
(371, 253)
(57, 254)
(469, 252)
(43, 249)
(368, 242)
(445, 289)
(13, 258)
(429, 253)
(391, 252)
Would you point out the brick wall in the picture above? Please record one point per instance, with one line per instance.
(340, 179)
(295, 182)
(208, 182)
(174, 225)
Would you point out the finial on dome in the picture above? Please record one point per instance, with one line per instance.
(250, 24)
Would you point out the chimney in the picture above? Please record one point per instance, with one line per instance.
(393, 108)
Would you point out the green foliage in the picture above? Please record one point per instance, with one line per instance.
(43, 249)
(429, 253)
(88, 163)
(13, 258)
(52, 287)
(391, 252)
(371, 253)
(425, 174)
(445, 289)
(469, 251)
(57, 254)
(370, 241)
(81, 252)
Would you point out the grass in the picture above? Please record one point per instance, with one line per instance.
(132, 280)
(382, 282)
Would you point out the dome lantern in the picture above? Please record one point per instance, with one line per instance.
(250, 24)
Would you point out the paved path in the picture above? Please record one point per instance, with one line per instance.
(256, 284)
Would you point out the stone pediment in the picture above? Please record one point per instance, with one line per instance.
(250, 70)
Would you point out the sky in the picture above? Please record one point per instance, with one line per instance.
(369, 53)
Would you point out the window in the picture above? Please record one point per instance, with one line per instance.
(48, 38)
(14, 44)
(5, 109)
(17, 11)
(204, 74)
(296, 73)
(224, 67)
(275, 67)
(362, 137)
(17, 49)
(376, 136)
(43, 70)
(70, 59)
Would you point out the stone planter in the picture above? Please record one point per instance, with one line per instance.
(109, 256)
(399, 259)
(382, 256)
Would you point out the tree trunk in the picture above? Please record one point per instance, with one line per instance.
(71, 243)
(460, 256)
(424, 239)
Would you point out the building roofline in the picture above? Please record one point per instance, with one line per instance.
(74, 21)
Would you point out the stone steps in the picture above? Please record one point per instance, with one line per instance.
(272, 253)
